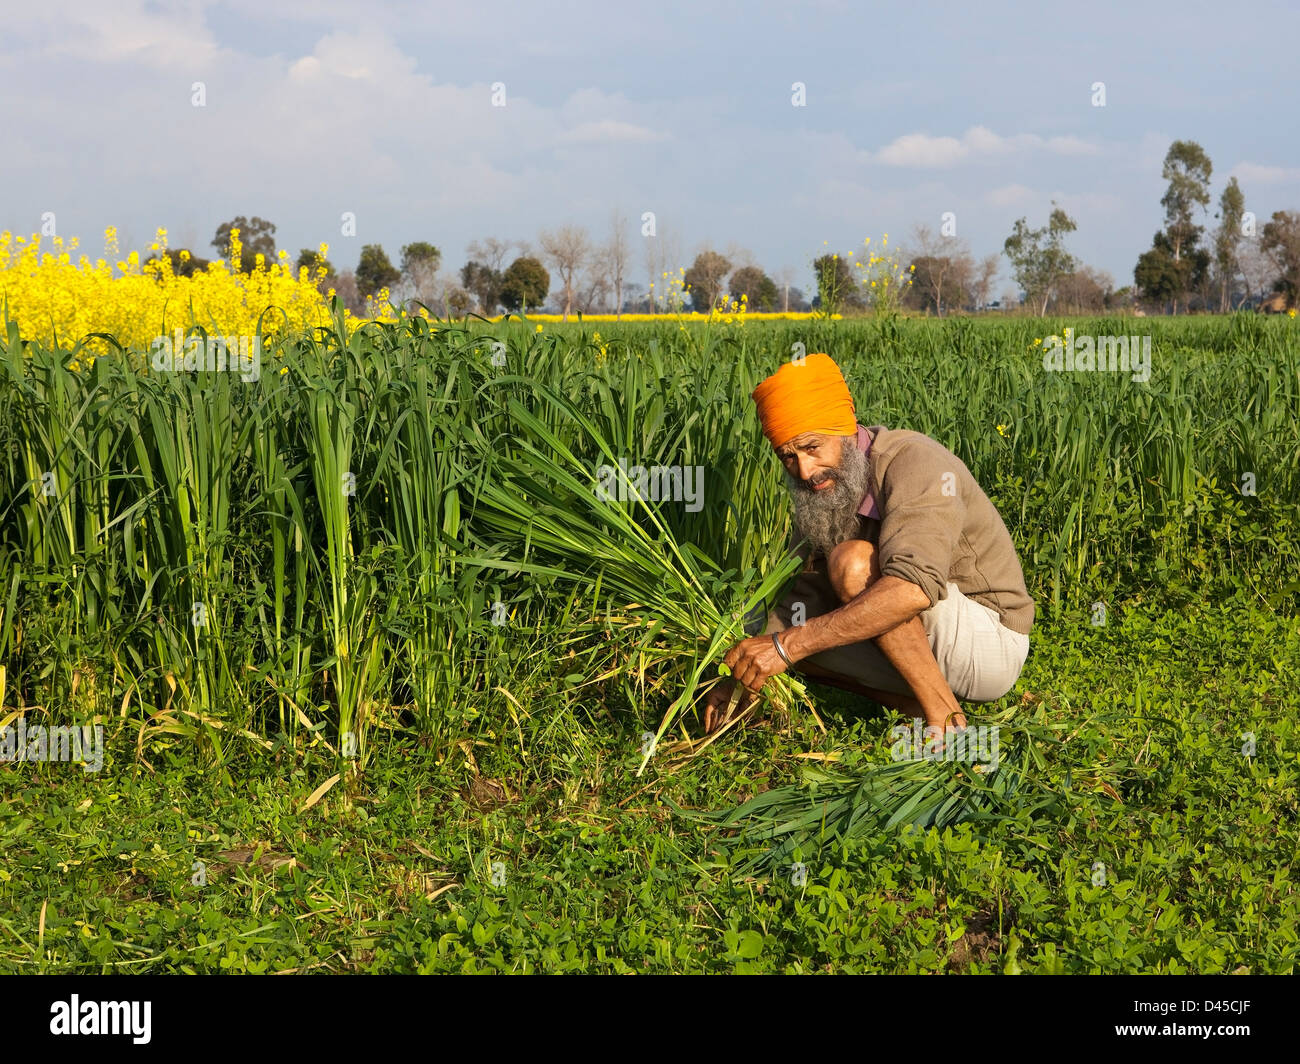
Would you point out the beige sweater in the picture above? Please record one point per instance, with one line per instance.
(936, 526)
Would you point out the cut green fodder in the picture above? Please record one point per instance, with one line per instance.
(540, 499)
(828, 808)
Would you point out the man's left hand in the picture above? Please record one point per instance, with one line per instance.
(752, 661)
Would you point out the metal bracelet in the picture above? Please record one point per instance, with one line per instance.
(781, 650)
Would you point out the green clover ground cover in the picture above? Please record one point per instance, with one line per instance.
(578, 866)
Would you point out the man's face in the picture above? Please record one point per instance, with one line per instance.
(813, 460)
(827, 477)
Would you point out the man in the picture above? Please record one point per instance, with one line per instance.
(911, 593)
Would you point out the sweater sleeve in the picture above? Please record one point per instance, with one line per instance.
(922, 515)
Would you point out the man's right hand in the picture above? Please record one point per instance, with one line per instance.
(715, 705)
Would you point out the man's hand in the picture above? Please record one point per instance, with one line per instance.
(752, 661)
(716, 702)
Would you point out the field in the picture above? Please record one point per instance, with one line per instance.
(363, 711)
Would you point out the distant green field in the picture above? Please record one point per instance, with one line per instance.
(255, 586)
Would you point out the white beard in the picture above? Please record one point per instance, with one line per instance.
(827, 518)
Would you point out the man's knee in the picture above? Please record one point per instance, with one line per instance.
(852, 566)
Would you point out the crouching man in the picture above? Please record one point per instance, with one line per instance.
(911, 592)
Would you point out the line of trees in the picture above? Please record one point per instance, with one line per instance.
(1189, 266)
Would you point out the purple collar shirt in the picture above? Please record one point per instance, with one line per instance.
(868, 507)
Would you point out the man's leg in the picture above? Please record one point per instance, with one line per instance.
(903, 703)
(852, 567)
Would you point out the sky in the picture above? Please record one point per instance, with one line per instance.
(392, 111)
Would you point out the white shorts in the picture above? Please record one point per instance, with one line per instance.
(979, 657)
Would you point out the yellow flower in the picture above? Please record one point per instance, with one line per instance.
(1002, 430)
(539, 328)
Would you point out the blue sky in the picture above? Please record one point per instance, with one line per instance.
(384, 109)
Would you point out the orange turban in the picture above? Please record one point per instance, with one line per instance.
(807, 397)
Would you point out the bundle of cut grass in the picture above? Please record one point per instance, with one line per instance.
(829, 808)
(552, 499)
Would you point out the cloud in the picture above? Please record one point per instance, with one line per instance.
(1255, 174)
(1011, 196)
(922, 151)
(609, 131)
(135, 32)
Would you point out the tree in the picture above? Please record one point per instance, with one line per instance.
(1227, 240)
(662, 255)
(345, 287)
(374, 271)
(1187, 169)
(458, 300)
(592, 294)
(1257, 271)
(484, 283)
(1038, 256)
(836, 286)
(524, 284)
(757, 288)
(312, 261)
(943, 271)
(705, 278)
(492, 252)
(1083, 291)
(784, 283)
(256, 237)
(618, 253)
(420, 262)
(983, 279)
(1176, 264)
(567, 249)
(1158, 276)
(184, 263)
(939, 281)
(1280, 241)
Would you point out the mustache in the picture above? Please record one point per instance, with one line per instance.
(812, 482)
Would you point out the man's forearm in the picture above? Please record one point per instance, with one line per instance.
(887, 603)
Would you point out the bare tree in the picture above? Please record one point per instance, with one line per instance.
(740, 257)
(493, 252)
(567, 249)
(662, 255)
(945, 270)
(784, 280)
(986, 275)
(1083, 291)
(591, 294)
(1256, 270)
(616, 254)
(345, 287)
